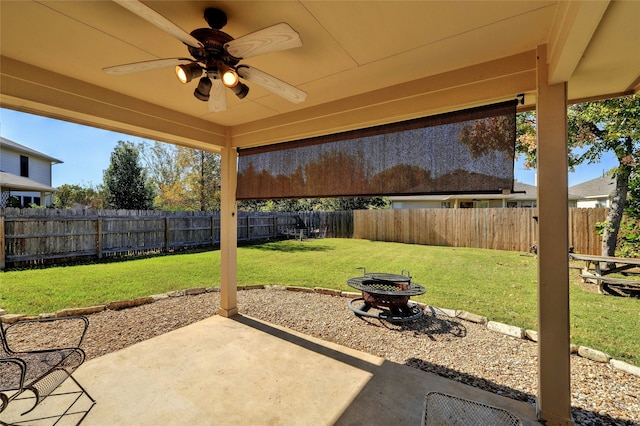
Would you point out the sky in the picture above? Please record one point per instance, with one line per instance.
(85, 151)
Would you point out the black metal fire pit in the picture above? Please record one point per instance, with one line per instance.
(386, 296)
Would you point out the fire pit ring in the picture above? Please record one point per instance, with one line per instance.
(389, 294)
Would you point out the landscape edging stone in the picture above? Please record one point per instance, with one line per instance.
(582, 351)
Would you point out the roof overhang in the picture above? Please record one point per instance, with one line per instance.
(11, 182)
(418, 59)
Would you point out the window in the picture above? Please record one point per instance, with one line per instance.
(445, 204)
(24, 166)
(26, 201)
(466, 204)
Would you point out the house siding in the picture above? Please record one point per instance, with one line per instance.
(39, 170)
(10, 161)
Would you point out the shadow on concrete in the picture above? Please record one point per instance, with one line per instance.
(394, 393)
(393, 396)
(306, 344)
(67, 405)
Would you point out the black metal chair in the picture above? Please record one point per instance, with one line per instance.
(40, 370)
(444, 409)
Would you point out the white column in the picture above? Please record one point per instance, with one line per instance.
(228, 233)
(554, 376)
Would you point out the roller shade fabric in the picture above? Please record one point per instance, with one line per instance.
(468, 151)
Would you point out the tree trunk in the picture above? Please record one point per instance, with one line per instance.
(610, 234)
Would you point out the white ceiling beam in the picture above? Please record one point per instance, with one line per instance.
(485, 83)
(35, 90)
(574, 25)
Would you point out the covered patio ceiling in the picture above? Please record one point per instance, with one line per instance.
(362, 63)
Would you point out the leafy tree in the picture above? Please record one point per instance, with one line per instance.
(166, 175)
(632, 208)
(526, 143)
(184, 178)
(65, 197)
(125, 181)
(202, 178)
(14, 201)
(357, 203)
(314, 204)
(492, 133)
(611, 125)
(70, 196)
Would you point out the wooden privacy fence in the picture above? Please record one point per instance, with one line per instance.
(495, 228)
(48, 236)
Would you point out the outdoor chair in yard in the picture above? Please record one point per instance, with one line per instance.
(445, 409)
(38, 356)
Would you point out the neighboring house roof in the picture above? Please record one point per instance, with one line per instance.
(601, 187)
(9, 144)
(11, 182)
(521, 192)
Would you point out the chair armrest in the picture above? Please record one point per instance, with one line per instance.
(45, 334)
(6, 382)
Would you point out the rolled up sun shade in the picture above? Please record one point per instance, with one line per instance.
(468, 151)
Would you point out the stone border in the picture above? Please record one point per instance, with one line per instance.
(509, 330)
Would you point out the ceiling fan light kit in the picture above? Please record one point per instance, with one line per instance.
(217, 54)
(241, 90)
(188, 72)
(229, 75)
(204, 89)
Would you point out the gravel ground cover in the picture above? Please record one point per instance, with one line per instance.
(459, 350)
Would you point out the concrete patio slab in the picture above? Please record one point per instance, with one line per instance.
(243, 371)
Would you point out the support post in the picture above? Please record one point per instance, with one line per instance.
(228, 232)
(554, 376)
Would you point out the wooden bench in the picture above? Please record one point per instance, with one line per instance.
(25, 366)
(619, 284)
(594, 272)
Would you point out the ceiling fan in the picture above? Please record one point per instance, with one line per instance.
(216, 57)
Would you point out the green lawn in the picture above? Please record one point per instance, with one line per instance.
(500, 285)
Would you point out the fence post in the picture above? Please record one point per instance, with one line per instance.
(2, 263)
(275, 227)
(166, 234)
(99, 237)
(213, 229)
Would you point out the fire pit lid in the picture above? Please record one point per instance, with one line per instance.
(383, 276)
(384, 287)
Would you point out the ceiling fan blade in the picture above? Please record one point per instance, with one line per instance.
(159, 21)
(271, 39)
(146, 65)
(269, 82)
(217, 97)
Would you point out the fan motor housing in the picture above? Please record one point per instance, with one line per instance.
(213, 41)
